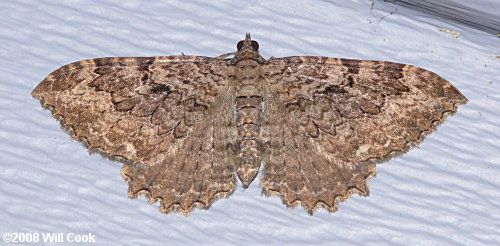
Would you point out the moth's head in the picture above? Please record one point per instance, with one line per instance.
(248, 45)
(248, 49)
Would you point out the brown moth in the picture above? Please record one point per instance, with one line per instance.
(186, 126)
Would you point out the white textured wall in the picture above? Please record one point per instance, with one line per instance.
(446, 192)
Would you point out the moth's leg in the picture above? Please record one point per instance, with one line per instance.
(221, 57)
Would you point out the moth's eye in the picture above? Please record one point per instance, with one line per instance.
(255, 45)
(240, 45)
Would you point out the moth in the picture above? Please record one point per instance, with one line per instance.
(187, 127)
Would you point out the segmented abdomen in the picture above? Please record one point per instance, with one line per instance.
(248, 122)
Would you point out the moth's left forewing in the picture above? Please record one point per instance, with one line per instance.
(339, 95)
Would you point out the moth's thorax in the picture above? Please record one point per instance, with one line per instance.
(247, 73)
(247, 54)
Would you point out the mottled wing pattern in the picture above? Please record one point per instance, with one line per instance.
(329, 121)
(168, 117)
(187, 125)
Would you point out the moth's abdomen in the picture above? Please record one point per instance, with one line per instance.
(248, 121)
